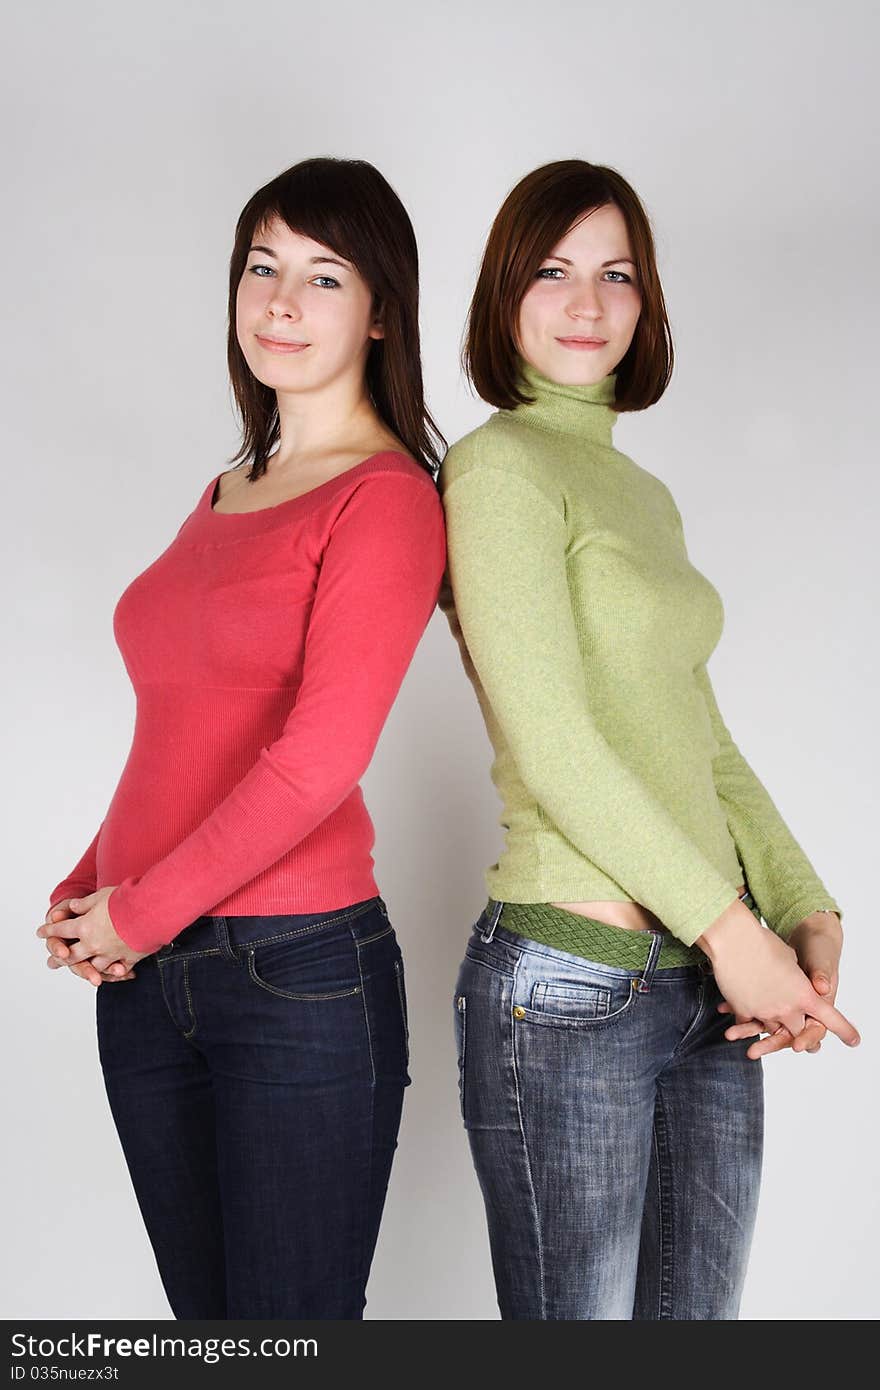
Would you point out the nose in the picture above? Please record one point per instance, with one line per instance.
(584, 303)
(283, 306)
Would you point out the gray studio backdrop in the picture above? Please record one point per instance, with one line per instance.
(139, 132)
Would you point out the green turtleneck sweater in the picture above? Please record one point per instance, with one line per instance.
(585, 631)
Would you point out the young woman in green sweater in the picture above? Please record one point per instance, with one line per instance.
(614, 1110)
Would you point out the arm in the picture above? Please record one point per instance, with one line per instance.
(782, 880)
(378, 586)
(508, 576)
(83, 877)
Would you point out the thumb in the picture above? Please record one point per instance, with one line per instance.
(820, 981)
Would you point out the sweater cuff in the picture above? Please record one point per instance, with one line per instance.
(697, 923)
(144, 937)
(785, 924)
(70, 890)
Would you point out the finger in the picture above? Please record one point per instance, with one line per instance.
(86, 971)
(103, 963)
(835, 1022)
(56, 947)
(775, 1042)
(744, 1030)
(68, 929)
(725, 1008)
(79, 951)
(809, 1039)
(793, 1020)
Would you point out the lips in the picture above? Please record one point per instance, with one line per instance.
(582, 344)
(280, 344)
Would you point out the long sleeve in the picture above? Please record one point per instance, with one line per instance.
(377, 588)
(507, 571)
(782, 880)
(83, 877)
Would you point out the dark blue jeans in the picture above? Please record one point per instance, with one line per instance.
(255, 1070)
(617, 1135)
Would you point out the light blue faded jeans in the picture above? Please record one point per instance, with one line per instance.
(616, 1134)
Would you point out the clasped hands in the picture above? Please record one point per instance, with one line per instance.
(79, 933)
(816, 941)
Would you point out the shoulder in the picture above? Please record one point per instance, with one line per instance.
(387, 478)
(392, 471)
(387, 495)
(503, 446)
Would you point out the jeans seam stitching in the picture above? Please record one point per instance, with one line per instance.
(284, 994)
(694, 1021)
(366, 1013)
(665, 1223)
(305, 931)
(189, 1000)
(377, 936)
(535, 1210)
(403, 1011)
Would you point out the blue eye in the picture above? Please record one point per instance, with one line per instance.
(330, 282)
(554, 271)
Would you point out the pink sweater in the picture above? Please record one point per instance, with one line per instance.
(265, 649)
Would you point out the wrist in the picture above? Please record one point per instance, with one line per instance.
(728, 930)
(821, 922)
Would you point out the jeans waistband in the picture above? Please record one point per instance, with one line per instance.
(214, 932)
(646, 950)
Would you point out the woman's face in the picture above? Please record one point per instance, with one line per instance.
(303, 313)
(586, 290)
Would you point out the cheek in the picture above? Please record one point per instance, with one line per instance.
(533, 312)
(627, 308)
(344, 323)
(247, 302)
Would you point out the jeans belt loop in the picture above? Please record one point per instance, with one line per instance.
(643, 984)
(489, 931)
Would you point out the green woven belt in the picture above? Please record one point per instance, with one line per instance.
(598, 941)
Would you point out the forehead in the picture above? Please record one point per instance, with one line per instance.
(283, 239)
(599, 230)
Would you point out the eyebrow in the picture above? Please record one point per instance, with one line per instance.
(313, 260)
(618, 260)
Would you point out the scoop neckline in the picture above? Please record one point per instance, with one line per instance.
(300, 497)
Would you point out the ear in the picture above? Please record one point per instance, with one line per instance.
(377, 325)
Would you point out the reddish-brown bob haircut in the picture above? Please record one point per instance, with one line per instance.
(534, 216)
(347, 205)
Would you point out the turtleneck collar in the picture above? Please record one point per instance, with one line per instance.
(586, 411)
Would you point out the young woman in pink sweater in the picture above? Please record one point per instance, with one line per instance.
(256, 1059)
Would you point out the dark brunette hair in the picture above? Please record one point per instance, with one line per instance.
(531, 220)
(347, 205)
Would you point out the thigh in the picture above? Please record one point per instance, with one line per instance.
(309, 1058)
(557, 1099)
(704, 1183)
(159, 1089)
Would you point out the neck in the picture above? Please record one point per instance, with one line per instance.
(586, 411)
(315, 422)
